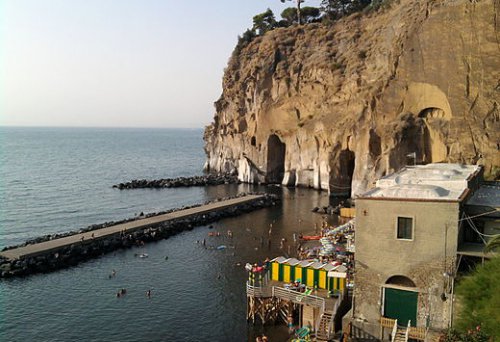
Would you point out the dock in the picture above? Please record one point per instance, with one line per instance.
(271, 302)
(307, 294)
(129, 227)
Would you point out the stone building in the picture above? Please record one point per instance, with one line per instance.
(409, 237)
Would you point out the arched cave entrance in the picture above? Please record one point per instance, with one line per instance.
(347, 161)
(342, 170)
(275, 160)
(434, 129)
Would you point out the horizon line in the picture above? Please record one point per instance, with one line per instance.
(114, 127)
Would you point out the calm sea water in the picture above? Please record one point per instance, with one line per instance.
(59, 179)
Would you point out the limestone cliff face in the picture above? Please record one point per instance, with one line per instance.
(341, 105)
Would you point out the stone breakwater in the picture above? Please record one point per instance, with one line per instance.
(210, 179)
(81, 251)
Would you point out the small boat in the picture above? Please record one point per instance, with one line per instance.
(143, 255)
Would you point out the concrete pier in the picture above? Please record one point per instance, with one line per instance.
(129, 227)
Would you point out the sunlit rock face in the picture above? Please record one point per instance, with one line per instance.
(337, 107)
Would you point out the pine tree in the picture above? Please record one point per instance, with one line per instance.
(298, 8)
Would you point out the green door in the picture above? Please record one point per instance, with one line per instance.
(401, 305)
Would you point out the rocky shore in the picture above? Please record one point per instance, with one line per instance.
(88, 249)
(210, 179)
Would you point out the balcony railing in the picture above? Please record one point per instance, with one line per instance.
(286, 294)
(415, 333)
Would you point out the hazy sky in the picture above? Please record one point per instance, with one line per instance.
(118, 63)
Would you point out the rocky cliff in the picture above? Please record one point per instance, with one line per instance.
(330, 106)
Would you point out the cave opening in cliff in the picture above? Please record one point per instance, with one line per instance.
(341, 181)
(275, 160)
(433, 146)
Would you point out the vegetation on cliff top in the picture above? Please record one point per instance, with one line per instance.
(329, 12)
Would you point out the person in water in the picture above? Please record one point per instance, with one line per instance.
(113, 273)
(148, 293)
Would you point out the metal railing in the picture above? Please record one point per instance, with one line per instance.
(342, 295)
(259, 291)
(286, 294)
(298, 297)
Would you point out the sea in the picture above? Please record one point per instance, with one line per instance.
(54, 180)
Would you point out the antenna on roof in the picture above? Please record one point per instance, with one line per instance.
(414, 156)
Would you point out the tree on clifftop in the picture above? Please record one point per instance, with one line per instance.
(307, 14)
(299, 21)
(335, 9)
(264, 22)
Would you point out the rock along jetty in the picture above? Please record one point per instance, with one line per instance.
(54, 252)
(210, 179)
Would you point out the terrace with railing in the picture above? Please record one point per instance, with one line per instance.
(293, 296)
(409, 332)
(328, 305)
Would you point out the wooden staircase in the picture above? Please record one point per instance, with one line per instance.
(409, 332)
(323, 332)
(400, 335)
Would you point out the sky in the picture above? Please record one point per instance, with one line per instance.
(118, 63)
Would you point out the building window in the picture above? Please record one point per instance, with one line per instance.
(405, 228)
